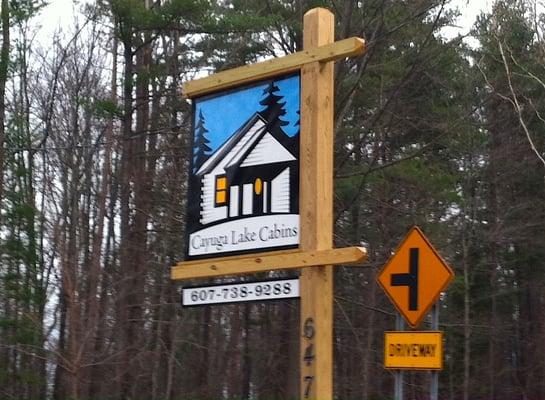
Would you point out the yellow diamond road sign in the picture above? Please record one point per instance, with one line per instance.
(414, 277)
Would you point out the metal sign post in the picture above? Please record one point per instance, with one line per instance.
(398, 374)
(434, 384)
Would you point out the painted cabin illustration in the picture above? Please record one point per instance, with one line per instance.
(255, 172)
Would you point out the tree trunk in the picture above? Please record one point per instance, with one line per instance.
(467, 309)
(93, 303)
(4, 63)
(123, 369)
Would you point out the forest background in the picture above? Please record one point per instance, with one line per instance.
(95, 144)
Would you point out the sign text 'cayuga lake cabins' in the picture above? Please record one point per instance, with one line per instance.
(244, 185)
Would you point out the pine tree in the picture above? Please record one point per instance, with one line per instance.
(200, 147)
(274, 109)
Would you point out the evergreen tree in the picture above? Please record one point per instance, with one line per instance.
(509, 58)
(200, 147)
(274, 109)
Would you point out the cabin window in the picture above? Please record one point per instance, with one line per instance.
(221, 190)
(258, 186)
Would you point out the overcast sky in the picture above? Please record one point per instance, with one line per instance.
(469, 10)
(59, 13)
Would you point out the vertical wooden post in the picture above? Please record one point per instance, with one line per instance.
(316, 208)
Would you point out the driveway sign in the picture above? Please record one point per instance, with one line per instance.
(414, 277)
(413, 350)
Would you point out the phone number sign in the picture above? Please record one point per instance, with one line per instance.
(240, 292)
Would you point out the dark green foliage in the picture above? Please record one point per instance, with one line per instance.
(22, 11)
(106, 109)
(273, 108)
(201, 150)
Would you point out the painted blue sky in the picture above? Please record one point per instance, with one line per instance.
(224, 114)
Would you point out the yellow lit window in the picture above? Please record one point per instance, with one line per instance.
(221, 183)
(220, 197)
(258, 186)
(221, 190)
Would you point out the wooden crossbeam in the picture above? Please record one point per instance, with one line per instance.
(274, 67)
(239, 265)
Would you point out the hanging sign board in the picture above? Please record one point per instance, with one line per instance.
(413, 350)
(244, 180)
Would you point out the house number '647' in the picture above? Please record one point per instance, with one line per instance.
(308, 357)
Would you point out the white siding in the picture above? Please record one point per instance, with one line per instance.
(209, 212)
(280, 192)
(233, 201)
(267, 151)
(265, 192)
(247, 198)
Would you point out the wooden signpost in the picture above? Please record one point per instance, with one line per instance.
(315, 255)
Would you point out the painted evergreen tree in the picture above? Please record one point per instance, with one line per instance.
(201, 150)
(274, 109)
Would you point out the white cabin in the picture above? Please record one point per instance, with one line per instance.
(248, 175)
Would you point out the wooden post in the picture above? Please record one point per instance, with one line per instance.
(316, 207)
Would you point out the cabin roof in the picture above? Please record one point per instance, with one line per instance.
(227, 148)
(222, 151)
